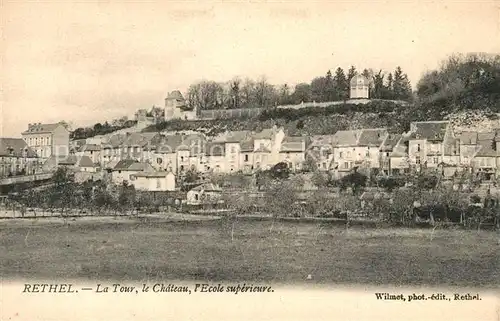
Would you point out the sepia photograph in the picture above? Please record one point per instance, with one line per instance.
(250, 160)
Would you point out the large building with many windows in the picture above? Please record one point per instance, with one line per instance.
(47, 139)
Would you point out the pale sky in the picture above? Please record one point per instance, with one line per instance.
(94, 61)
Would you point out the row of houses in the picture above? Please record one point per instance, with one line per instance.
(430, 144)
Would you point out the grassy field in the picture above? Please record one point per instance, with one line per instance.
(153, 250)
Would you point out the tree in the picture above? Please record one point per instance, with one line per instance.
(126, 197)
(378, 85)
(248, 97)
(265, 94)
(319, 89)
(389, 87)
(284, 95)
(302, 93)
(350, 74)
(401, 85)
(234, 93)
(356, 181)
(239, 204)
(341, 85)
(319, 179)
(205, 95)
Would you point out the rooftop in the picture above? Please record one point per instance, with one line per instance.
(39, 128)
(430, 130)
(15, 147)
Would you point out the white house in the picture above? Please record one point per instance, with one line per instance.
(360, 87)
(153, 181)
(204, 194)
(127, 167)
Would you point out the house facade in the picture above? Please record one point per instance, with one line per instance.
(124, 169)
(427, 143)
(359, 87)
(153, 181)
(47, 139)
(293, 152)
(358, 149)
(17, 158)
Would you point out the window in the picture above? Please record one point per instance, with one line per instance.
(159, 161)
(367, 153)
(435, 160)
(417, 160)
(324, 165)
(182, 168)
(387, 154)
(418, 147)
(196, 197)
(341, 154)
(346, 165)
(246, 158)
(182, 158)
(158, 183)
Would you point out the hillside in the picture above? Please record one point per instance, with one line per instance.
(304, 121)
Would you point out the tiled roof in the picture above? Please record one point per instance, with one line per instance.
(16, 146)
(390, 142)
(124, 164)
(346, 138)
(215, 149)
(431, 130)
(468, 138)
(141, 139)
(90, 147)
(138, 166)
(372, 137)
(175, 95)
(293, 144)
(85, 161)
(486, 148)
(41, 128)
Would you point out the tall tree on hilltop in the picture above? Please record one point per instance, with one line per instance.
(284, 95)
(350, 74)
(341, 85)
(234, 93)
(378, 85)
(248, 99)
(389, 86)
(265, 93)
(401, 85)
(302, 93)
(330, 94)
(319, 89)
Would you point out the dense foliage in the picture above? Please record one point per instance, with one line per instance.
(463, 82)
(101, 129)
(304, 121)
